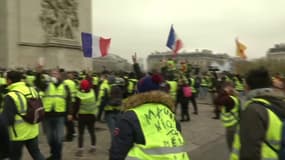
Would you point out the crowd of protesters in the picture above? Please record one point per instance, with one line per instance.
(121, 100)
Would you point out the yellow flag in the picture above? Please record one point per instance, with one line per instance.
(240, 50)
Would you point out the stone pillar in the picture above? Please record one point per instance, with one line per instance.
(3, 33)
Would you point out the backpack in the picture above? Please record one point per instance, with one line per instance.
(281, 151)
(35, 110)
(116, 95)
(187, 92)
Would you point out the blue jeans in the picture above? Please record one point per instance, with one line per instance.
(32, 145)
(112, 118)
(54, 129)
(203, 92)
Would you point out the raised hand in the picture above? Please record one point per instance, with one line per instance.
(134, 58)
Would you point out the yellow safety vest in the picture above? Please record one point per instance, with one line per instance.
(3, 81)
(87, 102)
(210, 85)
(82, 76)
(2, 102)
(30, 80)
(22, 130)
(228, 79)
(204, 82)
(95, 80)
(171, 65)
(55, 98)
(103, 87)
(162, 139)
(273, 135)
(173, 89)
(110, 107)
(239, 86)
(192, 85)
(231, 118)
(131, 85)
(42, 94)
(72, 88)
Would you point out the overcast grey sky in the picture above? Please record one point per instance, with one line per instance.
(142, 26)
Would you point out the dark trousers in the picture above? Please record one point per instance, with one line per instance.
(4, 139)
(194, 103)
(89, 122)
(69, 129)
(217, 109)
(101, 110)
(185, 110)
(32, 145)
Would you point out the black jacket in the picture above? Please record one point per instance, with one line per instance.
(4, 138)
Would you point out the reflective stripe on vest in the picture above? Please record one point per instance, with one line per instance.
(164, 150)
(87, 102)
(22, 130)
(162, 139)
(273, 135)
(204, 82)
(161, 151)
(55, 98)
(239, 85)
(231, 118)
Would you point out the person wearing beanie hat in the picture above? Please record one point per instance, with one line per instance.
(148, 124)
(85, 110)
(149, 83)
(85, 85)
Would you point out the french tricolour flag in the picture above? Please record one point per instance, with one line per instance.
(94, 46)
(173, 42)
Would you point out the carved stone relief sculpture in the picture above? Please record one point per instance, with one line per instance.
(59, 18)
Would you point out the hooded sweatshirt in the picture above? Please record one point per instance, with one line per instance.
(254, 121)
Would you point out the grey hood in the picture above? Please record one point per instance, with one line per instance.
(275, 96)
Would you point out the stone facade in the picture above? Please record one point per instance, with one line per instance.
(111, 62)
(44, 29)
(277, 52)
(202, 59)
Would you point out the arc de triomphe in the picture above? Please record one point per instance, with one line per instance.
(44, 29)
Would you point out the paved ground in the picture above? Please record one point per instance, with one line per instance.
(214, 150)
(204, 137)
